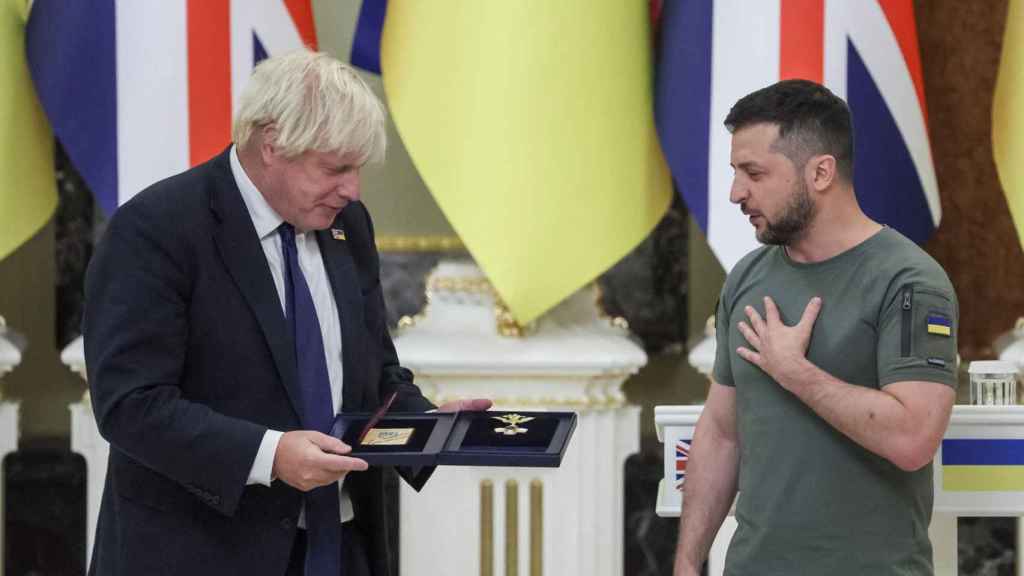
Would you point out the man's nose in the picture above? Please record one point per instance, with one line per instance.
(738, 192)
(349, 188)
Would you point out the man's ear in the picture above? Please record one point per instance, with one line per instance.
(268, 148)
(821, 171)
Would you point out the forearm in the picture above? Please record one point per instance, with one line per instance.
(875, 419)
(185, 441)
(708, 494)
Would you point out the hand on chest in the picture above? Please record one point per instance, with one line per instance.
(835, 335)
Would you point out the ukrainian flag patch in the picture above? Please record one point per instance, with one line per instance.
(939, 324)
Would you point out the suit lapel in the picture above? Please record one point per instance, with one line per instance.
(341, 271)
(245, 261)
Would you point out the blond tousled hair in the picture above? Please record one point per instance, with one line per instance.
(313, 102)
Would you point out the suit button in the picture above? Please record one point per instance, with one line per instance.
(287, 524)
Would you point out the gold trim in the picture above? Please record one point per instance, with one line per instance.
(614, 321)
(541, 402)
(435, 243)
(620, 323)
(478, 286)
(505, 323)
(3, 324)
(536, 527)
(406, 322)
(533, 375)
(709, 326)
(486, 527)
(511, 528)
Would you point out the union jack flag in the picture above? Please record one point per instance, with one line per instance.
(139, 90)
(682, 457)
(865, 51)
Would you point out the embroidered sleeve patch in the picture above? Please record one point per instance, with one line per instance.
(939, 324)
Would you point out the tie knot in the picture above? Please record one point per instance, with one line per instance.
(287, 232)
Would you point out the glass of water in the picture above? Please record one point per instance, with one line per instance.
(993, 382)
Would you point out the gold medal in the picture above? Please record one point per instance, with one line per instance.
(513, 421)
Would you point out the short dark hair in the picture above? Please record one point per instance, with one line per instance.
(811, 120)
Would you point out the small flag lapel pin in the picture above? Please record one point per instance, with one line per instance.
(337, 233)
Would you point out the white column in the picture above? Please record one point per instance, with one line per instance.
(572, 360)
(11, 345)
(942, 533)
(9, 433)
(86, 440)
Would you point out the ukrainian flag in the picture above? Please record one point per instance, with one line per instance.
(28, 191)
(1008, 115)
(531, 123)
(983, 465)
(939, 324)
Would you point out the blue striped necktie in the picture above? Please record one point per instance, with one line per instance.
(323, 521)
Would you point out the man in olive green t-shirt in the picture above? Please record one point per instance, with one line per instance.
(835, 372)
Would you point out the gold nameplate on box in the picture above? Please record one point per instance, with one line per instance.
(388, 437)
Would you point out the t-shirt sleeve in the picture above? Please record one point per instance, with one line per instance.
(722, 372)
(917, 334)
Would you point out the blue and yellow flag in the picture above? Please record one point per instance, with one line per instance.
(1008, 115)
(28, 189)
(939, 324)
(983, 465)
(531, 123)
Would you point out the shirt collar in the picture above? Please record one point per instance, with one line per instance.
(264, 218)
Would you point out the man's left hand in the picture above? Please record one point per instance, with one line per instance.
(778, 349)
(472, 405)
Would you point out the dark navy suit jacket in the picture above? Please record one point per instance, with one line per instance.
(189, 362)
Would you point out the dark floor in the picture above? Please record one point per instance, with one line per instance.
(44, 528)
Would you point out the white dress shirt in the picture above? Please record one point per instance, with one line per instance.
(266, 221)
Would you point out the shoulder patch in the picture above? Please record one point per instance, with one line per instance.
(939, 324)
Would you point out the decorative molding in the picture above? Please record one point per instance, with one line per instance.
(11, 344)
(478, 289)
(536, 527)
(573, 359)
(396, 243)
(73, 356)
(511, 527)
(702, 355)
(541, 403)
(486, 527)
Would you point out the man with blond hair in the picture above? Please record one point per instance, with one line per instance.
(231, 312)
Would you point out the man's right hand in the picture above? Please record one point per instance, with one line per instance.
(306, 459)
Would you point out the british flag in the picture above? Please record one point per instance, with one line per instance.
(138, 90)
(712, 52)
(682, 457)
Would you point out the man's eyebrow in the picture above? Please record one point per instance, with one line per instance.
(746, 165)
(332, 165)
